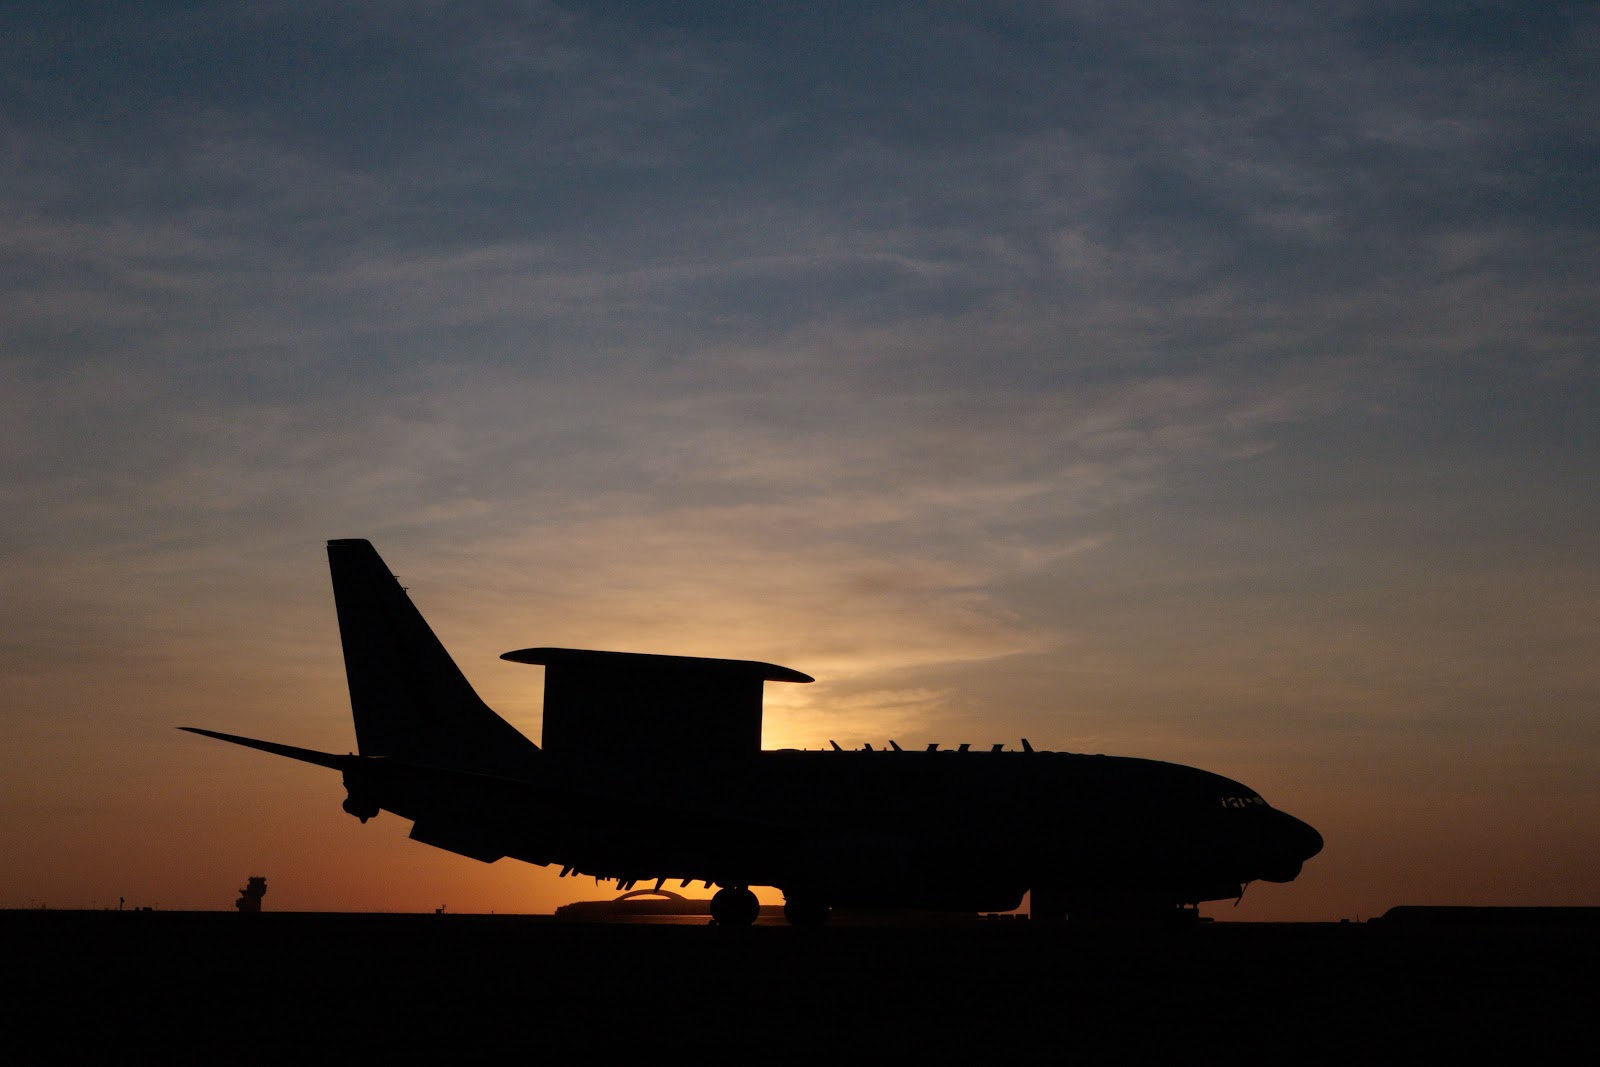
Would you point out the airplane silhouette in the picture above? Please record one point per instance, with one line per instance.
(651, 769)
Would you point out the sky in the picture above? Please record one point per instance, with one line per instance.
(1214, 383)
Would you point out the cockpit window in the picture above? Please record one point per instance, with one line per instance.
(1243, 802)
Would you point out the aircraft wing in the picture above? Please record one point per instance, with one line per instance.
(486, 816)
(447, 777)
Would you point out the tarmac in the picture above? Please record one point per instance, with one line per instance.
(231, 988)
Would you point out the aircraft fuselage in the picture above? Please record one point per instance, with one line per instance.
(651, 770)
(966, 831)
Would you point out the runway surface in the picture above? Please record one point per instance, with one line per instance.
(229, 988)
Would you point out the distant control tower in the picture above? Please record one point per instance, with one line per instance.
(250, 896)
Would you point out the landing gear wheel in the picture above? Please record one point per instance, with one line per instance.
(806, 912)
(734, 905)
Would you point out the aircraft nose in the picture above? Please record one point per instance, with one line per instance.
(1285, 846)
(1309, 841)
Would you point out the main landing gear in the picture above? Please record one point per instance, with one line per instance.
(734, 905)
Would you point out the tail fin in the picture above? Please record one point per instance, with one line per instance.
(408, 697)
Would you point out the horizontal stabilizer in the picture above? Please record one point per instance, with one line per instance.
(304, 755)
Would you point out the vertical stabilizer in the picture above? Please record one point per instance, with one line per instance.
(408, 697)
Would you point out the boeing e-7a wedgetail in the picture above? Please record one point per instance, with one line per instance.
(651, 769)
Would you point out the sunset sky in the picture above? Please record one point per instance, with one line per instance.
(1215, 383)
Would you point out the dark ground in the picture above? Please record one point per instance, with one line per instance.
(228, 988)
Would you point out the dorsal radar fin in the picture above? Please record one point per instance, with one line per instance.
(629, 710)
